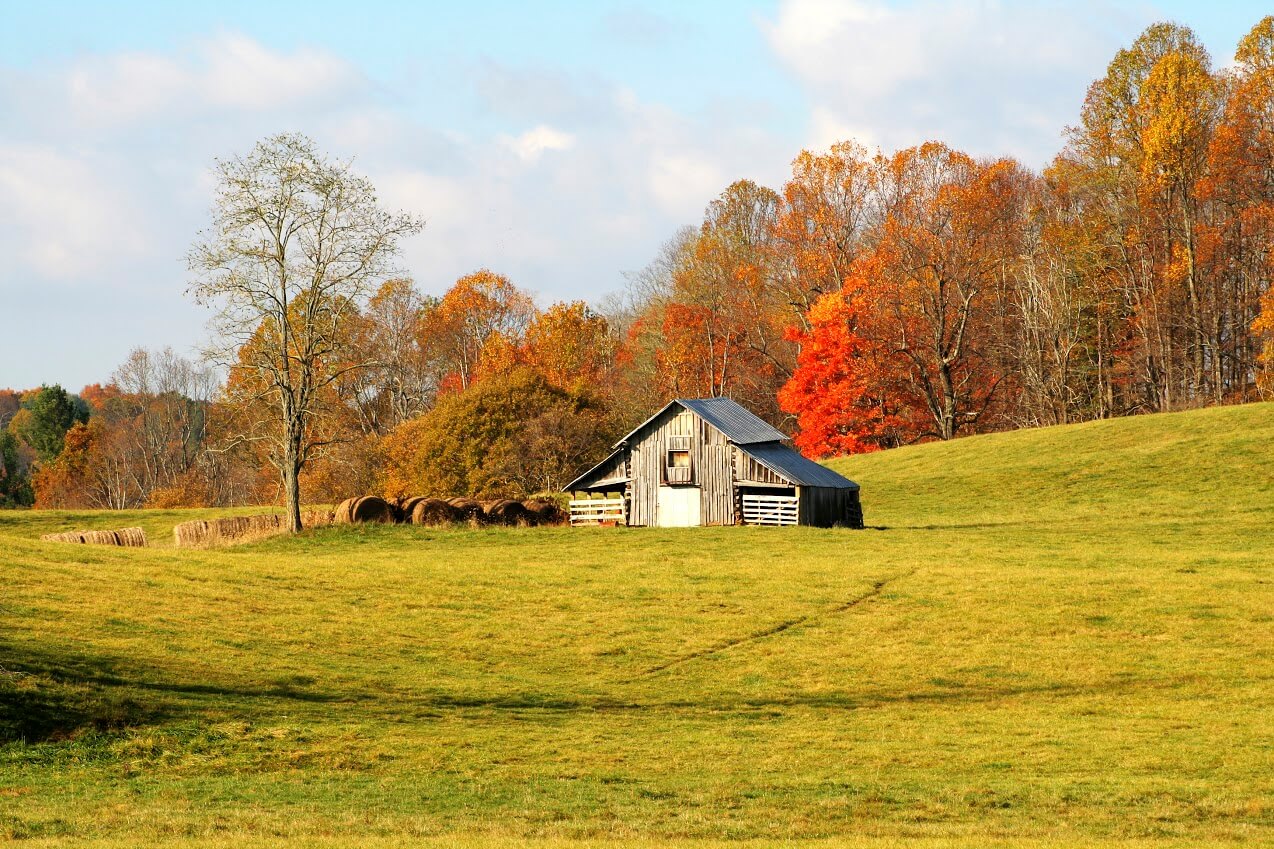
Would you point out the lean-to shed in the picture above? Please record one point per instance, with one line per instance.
(709, 461)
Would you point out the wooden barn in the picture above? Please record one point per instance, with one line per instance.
(708, 461)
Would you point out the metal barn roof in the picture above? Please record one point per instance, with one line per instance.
(736, 423)
(789, 463)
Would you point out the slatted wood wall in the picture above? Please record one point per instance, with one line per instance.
(711, 458)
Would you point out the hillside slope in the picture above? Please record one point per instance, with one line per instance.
(1059, 637)
(1198, 464)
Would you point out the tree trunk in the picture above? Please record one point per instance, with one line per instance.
(947, 423)
(292, 483)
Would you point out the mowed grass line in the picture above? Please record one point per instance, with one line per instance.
(1039, 673)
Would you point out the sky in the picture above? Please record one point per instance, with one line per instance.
(557, 143)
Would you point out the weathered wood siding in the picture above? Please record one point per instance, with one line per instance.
(711, 459)
(718, 478)
(609, 476)
(825, 507)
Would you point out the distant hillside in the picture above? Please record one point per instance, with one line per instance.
(1209, 462)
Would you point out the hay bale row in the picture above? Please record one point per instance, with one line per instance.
(199, 532)
(437, 512)
(503, 511)
(127, 537)
(317, 518)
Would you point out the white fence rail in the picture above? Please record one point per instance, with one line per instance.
(769, 510)
(594, 511)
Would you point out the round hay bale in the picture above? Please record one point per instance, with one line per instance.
(132, 537)
(545, 512)
(343, 514)
(408, 506)
(470, 510)
(435, 513)
(505, 512)
(372, 508)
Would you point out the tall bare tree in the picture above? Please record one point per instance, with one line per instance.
(296, 245)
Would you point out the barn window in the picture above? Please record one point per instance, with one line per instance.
(677, 466)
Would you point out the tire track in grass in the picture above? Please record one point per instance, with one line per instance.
(876, 589)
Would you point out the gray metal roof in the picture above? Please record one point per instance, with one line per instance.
(736, 423)
(739, 426)
(790, 464)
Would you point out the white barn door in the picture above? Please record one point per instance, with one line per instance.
(678, 507)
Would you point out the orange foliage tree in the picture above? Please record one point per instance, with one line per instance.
(844, 392)
(483, 314)
(571, 345)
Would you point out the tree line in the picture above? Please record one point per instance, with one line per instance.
(875, 299)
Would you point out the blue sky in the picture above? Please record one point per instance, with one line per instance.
(558, 143)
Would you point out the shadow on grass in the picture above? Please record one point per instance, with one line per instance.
(37, 709)
(48, 696)
(848, 701)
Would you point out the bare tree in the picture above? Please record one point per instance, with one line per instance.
(165, 399)
(297, 242)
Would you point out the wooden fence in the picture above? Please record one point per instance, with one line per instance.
(594, 511)
(769, 510)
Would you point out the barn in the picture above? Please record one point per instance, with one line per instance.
(709, 461)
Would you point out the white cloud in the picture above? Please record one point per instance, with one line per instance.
(534, 142)
(228, 71)
(125, 87)
(683, 182)
(827, 127)
(992, 77)
(62, 214)
(240, 73)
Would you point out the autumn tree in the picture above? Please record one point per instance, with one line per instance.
(159, 402)
(571, 346)
(1141, 144)
(10, 403)
(845, 393)
(945, 250)
(508, 435)
(636, 317)
(482, 315)
(296, 245)
(823, 226)
(1236, 240)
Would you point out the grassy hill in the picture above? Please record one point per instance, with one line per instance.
(1053, 637)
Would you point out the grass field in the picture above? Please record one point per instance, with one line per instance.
(1050, 638)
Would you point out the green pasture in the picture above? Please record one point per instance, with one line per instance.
(1060, 637)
